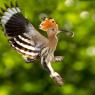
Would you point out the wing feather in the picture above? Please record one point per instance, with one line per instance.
(21, 33)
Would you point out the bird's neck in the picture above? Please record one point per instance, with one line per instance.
(52, 41)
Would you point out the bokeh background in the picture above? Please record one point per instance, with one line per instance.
(78, 67)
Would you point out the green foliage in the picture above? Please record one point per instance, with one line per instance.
(78, 67)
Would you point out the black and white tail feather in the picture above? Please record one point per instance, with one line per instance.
(26, 39)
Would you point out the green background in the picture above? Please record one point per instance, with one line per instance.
(78, 67)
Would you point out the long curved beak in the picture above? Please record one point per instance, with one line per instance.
(67, 32)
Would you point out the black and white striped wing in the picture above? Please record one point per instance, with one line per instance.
(16, 28)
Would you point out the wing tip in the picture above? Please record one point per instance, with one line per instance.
(8, 11)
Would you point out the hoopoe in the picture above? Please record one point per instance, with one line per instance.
(26, 40)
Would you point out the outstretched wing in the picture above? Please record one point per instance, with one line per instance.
(20, 32)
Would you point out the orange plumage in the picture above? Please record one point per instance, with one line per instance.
(48, 24)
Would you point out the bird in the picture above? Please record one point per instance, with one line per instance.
(30, 43)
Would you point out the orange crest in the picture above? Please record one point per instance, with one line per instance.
(48, 24)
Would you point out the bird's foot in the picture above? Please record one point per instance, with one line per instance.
(28, 60)
(57, 78)
(58, 58)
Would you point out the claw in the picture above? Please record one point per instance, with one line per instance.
(28, 60)
(58, 58)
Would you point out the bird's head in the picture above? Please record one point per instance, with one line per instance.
(49, 25)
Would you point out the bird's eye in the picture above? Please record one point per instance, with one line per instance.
(53, 29)
(53, 21)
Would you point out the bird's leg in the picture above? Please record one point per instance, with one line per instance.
(58, 58)
(54, 75)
